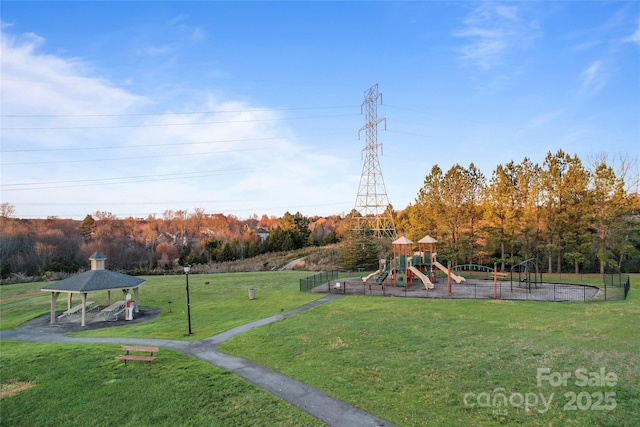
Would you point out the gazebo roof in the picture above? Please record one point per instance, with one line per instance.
(95, 280)
(98, 255)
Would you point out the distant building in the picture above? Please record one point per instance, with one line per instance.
(263, 232)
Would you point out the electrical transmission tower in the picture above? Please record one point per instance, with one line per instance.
(372, 201)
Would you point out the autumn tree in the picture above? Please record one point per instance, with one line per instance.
(107, 226)
(474, 208)
(566, 204)
(578, 215)
(425, 216)
(503, 209)
(529, 191)
(614, 221)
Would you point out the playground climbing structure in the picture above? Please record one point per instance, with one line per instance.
(407, 266)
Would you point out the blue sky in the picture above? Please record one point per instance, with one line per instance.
(245, 108)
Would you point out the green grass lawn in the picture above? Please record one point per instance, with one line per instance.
(83, 385)
(412, 361)
(218, 306)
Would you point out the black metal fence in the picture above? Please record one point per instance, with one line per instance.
(308, 283)
(504, 290)
(472, 289)
(627, 286)
(515, 291)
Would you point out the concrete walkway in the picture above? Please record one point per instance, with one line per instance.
(330, 410)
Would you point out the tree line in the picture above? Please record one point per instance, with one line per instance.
(569, 216)
(42, 247)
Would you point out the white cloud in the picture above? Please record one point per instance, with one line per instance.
(157, 50)
(593, 78)
(33, 83)
(635, 37)
(244, 161)
(493, 31)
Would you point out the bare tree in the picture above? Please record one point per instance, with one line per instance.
(6, 212)
(624, 166)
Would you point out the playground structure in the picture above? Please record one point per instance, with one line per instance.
(523, 281)
(408, 266)
(397, 276)
(417, 264)
(526, 274)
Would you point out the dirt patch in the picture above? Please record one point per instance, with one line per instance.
(14, 387)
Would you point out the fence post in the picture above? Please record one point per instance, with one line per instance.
(627, 286)
(448, 278)
(495, 281)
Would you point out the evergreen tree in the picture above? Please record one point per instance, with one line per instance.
(88, 227)
(360, 249)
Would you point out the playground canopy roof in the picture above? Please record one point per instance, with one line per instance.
(427, 239)
(402, 241)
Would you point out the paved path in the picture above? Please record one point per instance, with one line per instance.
(330, 410)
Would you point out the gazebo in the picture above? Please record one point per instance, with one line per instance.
(96, 279)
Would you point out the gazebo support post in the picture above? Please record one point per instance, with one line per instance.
(69, 300)
(54, 297)
(135, 297)
(84, 309)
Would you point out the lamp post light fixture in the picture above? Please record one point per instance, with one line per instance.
(187, 267)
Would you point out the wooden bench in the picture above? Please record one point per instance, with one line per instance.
(140, 349)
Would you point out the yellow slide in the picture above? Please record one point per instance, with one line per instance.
(364, 279)
(458, 279)
(427, 283)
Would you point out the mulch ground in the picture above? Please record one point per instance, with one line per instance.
(92, 320)
(480, 289)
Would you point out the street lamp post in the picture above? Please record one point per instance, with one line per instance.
(187, 267)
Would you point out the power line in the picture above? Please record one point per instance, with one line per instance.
(120, 180)
(174, 202)
(226, 212)
(168, 144)
(251, 110)
(178, 124)
(407, 109)
(132, 158)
